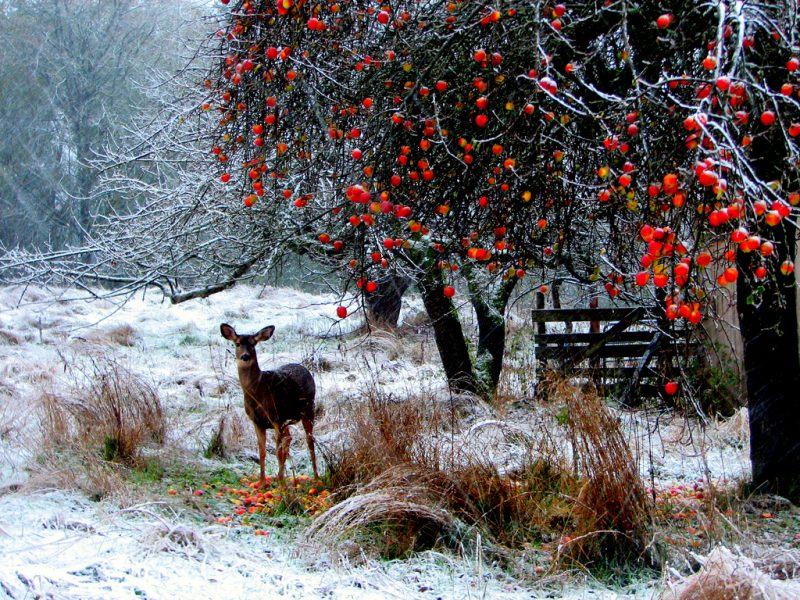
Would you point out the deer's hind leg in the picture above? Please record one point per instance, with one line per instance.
(308, 425)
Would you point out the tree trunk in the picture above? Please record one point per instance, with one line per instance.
(449, 335)
(383, 306)
(491, 331)
(768, 320)
(556, 292)
(491, 343)
(772, 375)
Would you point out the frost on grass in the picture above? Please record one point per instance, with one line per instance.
(725, 575)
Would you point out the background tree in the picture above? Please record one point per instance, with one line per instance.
(73, 76)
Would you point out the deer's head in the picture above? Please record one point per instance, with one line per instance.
(246, 344)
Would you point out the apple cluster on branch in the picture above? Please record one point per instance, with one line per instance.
(605, 141)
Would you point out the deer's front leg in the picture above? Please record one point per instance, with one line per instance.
(282, 440)
(308, 425)
(261, 434)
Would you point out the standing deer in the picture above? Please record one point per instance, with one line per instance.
(274, 398)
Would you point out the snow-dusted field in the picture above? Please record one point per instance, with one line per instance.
(56, 543)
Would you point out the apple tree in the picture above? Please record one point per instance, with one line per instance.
(642, 145)
(406, 146)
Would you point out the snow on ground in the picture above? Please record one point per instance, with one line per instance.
(59, 544)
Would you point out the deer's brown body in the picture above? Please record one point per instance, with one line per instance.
(274, 399)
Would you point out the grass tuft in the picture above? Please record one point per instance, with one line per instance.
(227, 438)
(106, 420)
(613, 515)
(405, 474)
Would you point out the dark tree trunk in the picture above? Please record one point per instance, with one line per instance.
(768, 320)
(449, 335)
(491, 343)
(490, 314)
(383, 307)
(772, 376)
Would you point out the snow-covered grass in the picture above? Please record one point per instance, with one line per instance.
(57, 542)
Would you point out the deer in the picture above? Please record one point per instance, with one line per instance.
(274, 399)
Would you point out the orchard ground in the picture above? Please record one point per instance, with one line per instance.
(185, 522)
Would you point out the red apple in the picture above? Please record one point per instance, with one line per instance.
(664, 21)
(767, 118)
(731, 274)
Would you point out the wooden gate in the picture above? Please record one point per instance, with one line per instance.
(624, 351)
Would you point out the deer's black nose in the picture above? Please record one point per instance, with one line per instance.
(245, 357)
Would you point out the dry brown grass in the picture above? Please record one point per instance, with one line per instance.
(91, 435)
(401, 467)
(110, 412)
(726, 576)
(228, 436)
(381, 433)
(613, 515)
(400, 511)
(408, 476)
(122, 335)
(9, 339)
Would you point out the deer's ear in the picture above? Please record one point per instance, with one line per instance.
(264, 334)
(228, 332)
